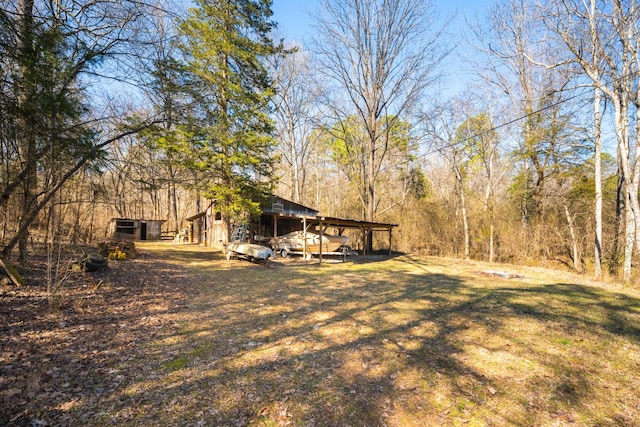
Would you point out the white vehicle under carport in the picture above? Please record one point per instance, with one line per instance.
(297, 242)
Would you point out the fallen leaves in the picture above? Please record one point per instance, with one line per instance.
(178, 337)
(53, 362)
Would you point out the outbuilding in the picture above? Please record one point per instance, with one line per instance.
(136, 229)
(281, 216)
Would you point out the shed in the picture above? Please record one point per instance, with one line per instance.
(280, 216)
(136, 229)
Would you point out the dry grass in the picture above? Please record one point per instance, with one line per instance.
(397, 342)
(400, 342)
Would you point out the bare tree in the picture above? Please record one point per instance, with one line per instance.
(382, 56)
(478, 137)
(51, 52)
(603, 39)
(297, 110)
(444, 129)
(597, 125)
(516, 46)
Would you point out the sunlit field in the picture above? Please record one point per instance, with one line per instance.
(398, 341)
(403, 341)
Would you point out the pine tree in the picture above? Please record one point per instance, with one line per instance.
(42, 108)
(225, 44)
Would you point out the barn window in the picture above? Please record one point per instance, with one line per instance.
(125, 227)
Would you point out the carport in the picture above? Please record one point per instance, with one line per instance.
(322, 223)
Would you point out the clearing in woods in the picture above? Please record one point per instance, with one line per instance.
(181, 336)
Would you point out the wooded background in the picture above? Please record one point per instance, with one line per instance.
(150, 109)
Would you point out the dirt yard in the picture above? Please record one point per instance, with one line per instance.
(181, 336)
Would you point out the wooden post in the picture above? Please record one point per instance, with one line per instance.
(259, 232)
(304, 237)
(390, 235)
(321, 235)
(275, 226)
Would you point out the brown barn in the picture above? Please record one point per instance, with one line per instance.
(207, 227)
(279, 216)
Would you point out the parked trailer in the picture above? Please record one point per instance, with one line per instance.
(249, 251)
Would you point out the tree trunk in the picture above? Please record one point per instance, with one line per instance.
(295, 172)
(371, 188)
(597, 265)
(575, 253)
(489, 212)
(463, 211)
(597, 128)
(614, 260)
(489, 205)
(630, 200)
(492, 250)
(26, 142)
(629, 236)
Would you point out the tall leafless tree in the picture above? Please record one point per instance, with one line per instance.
(298, 111)
(444, 128)
(382, 56)
(602, 37)
(516, 47)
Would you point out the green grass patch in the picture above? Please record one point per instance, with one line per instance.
(176, 364)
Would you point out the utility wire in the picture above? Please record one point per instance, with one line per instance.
(508, 123)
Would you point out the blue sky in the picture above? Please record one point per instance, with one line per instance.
(295, 19)
(295, 24)
(295, 16)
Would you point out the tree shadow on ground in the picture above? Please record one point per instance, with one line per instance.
(57, 360)
(373, 344)
(322, 380)
(323, 384)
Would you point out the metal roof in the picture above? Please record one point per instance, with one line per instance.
(196, 216)
(338, 222)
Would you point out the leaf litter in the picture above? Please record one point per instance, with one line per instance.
(180, 336)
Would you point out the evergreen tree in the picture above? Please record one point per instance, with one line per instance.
(225, 44)
(51, 53)
(42, 106)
